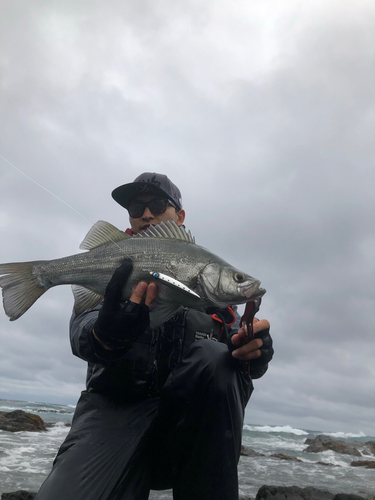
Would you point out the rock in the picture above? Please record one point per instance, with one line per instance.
(19, 420)
(323, 443)
(327, 463)
(249, 452)
(292, 493)
(369, 464)
(285, 457)
(368, 448)
(296, 493)
(347, 496)
(19, 495)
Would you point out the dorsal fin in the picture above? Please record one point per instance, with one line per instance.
(167, 230)
(102, 233)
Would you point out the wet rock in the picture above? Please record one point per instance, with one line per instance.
(327, 463)
(19, 495)
(285, 457)
(292, 493)
(296, 493)
(19, 420)
(347, 496)
(323, 443)
(369, 464)
(249, 452)
(368, 448)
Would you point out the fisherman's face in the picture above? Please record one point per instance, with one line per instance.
(148, 218)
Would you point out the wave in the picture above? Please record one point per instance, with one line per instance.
(269, 428)
(45, 409)
(35, 406)
(344, 435)
(11, 408)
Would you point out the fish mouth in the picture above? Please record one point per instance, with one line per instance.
(252, 291)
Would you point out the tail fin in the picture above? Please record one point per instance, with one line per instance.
(19, 289)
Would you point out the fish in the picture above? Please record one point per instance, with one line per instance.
(186, 274)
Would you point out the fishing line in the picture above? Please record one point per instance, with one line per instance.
(45, 189)
(53, 194)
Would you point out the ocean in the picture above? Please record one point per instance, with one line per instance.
(26, 457)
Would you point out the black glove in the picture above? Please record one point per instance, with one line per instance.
(259, 366)
(120, 322)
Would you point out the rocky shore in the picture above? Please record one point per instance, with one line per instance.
(324, 443)
(19, 420)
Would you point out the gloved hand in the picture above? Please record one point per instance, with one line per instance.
(259, 366)
(120, 322)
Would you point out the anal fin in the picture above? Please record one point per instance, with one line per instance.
(85, 299)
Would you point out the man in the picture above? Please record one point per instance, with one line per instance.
(163, 408)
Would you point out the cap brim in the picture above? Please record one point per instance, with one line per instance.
(125, 193)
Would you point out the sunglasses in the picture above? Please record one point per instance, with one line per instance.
(157, 206)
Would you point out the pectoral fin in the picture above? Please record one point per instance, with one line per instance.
(162, 312)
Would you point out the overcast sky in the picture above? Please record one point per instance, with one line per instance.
(262, 113)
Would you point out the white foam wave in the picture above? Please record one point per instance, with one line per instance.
(335, 459)
(48, 409)
(269, 428)
(345, 434)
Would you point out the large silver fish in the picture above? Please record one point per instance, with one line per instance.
(186, 274)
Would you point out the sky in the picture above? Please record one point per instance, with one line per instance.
(262, 113)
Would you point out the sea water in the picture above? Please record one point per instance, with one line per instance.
(26, 457)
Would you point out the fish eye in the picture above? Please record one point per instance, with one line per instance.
(239, 277)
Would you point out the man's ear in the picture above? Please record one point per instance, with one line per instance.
(180, 217)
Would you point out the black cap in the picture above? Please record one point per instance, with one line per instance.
(149, 182)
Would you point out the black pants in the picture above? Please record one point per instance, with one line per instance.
(189, 439)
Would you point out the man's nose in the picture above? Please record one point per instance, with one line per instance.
(147, 214)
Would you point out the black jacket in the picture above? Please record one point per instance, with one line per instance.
(142, 371)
